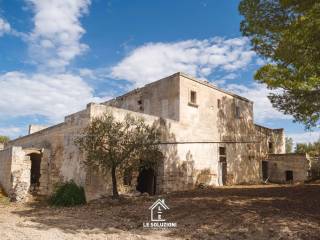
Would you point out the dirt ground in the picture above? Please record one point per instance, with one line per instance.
(243, 212)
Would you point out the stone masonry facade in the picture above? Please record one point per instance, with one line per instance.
(208, 138)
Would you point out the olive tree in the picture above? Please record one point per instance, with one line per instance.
(113, 146)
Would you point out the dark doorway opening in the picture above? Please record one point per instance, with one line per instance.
(35, 174)
(289, 176)
(223, 170)
(264, 170)
(223, 166)
(147, 181)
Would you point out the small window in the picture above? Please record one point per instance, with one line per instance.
(140, 104)
(222, 151)
(237, 112)
(219, 103)
(289, 176)
(270, 145)
(222, 154)
(193, 97)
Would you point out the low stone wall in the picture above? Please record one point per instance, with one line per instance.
(315, 167)
(15, 169)
(5, 169)
(20, 172)
(280, 164)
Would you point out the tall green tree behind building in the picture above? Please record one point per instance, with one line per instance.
(286, 33)
(312, 149)
(289, 145)
(4, 139)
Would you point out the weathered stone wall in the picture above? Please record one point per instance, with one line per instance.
(20, 174)
(160, 98)
(35, 128)
(314, 167)
(51, 141)
(15, 172)
(5, 169)
(192, 133)
(96, 185)
(274, 136)
(278, 164)
(214, 119)
(192, 155)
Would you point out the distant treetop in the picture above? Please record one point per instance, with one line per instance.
(4, 139)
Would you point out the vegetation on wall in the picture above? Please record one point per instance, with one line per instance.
(68, 194)
(286, 33)
(113, 146)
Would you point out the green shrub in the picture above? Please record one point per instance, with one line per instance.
(3, 198)
(68, 194)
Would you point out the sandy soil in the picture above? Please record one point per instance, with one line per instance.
(243, 212)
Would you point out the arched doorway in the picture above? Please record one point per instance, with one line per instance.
(35, 172)
(147, 181)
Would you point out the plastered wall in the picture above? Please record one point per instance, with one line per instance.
(191, 134)
(278, 164)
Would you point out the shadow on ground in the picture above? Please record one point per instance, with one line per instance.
(244, 212)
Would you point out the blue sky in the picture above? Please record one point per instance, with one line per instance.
(58, 55)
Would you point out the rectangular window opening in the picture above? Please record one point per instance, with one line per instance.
(222, 151)
(237, 112)
(270, 147)
(193, 97)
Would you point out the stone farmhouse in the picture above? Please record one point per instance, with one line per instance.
(208, 138)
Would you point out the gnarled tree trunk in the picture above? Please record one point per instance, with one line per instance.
(114, 183)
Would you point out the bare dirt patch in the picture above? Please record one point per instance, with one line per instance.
(243, 212)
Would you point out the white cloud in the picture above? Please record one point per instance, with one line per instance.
(305, 137)
(53, 96)
(87, 73)
(10, 131)
(199, 58)
(258, 93)
(4, 27)
(55, 40)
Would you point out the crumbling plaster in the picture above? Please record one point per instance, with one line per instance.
(191, 137)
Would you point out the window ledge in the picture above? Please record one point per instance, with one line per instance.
(193, 104)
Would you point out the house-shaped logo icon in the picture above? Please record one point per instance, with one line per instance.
(157, 209)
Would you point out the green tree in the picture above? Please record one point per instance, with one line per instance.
(286, 33)
(289, 145)
(312, 149)
(113, 146)
(4, 139)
